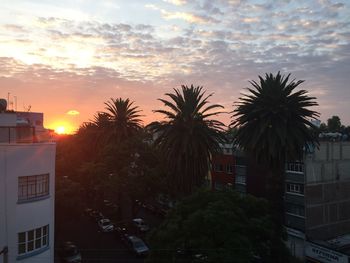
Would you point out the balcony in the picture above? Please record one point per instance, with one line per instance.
(17, 134)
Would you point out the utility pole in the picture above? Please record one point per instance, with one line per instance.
(15, 102)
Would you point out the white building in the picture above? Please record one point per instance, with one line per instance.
(27, 189)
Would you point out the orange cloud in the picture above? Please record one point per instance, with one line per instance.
(73, 112)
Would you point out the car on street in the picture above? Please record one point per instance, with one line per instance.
(105, 225)
(140, 224)
(70, 253)
(136, 245)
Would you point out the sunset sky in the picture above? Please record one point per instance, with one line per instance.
(66, 58)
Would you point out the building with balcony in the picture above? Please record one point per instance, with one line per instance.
(27, 189)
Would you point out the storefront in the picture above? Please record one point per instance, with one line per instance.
(316, 253)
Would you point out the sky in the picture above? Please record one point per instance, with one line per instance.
(67, 58)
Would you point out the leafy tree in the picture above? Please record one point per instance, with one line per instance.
(323, 127)
(124, 117)
(187, 137)
(274, 126)
(334, 124)
(215, 227)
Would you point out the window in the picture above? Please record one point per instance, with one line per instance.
(218, 167)
(229, 169)
(295, 167)
(33, 240)
(240, 180)
(295, 209)
(33, 186)
(295, 188)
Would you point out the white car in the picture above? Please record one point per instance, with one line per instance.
(140, 224)
(105, 225)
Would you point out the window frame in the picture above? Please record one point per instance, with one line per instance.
(294, 188)
(33, 187)
(33, 242)
(229, 168)
(296, 167)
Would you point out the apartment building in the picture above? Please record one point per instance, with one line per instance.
(27, 181)
(222, 168)
(317, 201)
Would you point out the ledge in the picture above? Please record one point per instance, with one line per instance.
(35, 199)
(33, 253)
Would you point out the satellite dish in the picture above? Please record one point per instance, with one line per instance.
(3, 105)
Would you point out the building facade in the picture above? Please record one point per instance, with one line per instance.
(222, 172)
(27, 190)
(317, 198)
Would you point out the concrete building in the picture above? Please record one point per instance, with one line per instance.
(27, 189)
(317, 200)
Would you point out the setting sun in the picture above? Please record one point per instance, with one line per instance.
(60, 130)
(62, 127)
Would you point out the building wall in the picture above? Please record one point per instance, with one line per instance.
(25, 160)
(327, 191)
(222, 178)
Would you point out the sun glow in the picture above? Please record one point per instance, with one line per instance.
(60, 130)
(62, 127)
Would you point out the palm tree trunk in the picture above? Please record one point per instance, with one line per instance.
(275, 196)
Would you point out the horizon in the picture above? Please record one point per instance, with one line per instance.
(67, 58)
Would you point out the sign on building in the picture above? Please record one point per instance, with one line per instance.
(321, 254)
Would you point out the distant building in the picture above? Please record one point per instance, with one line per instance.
(27, 189)
(222, 168)
(317, 199)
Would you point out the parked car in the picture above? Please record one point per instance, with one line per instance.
(70, 253)
(136, 245)
(140, 224)
(105, 225)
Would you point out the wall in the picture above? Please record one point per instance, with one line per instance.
(22, 160)
(223, 178)
(327, 191)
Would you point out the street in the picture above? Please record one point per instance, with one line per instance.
(94, 245)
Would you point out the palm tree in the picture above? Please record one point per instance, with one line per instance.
(187, 138)
(274, 126)
(124, 117)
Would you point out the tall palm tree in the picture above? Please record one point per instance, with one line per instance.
(187, 137)
(124, 117)
(274, 126)
(273, 122)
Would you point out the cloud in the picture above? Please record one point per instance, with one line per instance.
(176, 2)
(222, 45)
(186, 16)
(73, 112)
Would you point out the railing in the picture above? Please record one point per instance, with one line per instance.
(17, 134)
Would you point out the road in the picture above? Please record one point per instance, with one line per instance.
(94, 246)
